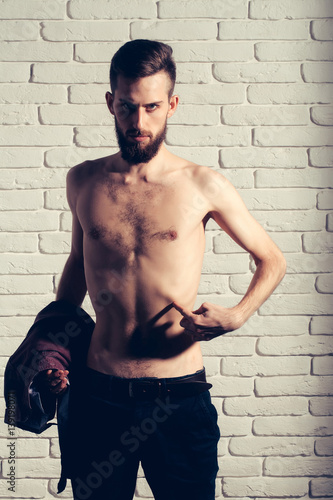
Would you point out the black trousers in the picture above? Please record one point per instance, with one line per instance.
(174, 437)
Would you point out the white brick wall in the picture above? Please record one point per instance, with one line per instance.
(255, 81)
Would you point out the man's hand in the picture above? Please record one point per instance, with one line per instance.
(209, 321)
(55, 381)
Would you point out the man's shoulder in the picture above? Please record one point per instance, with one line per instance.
(86, 170)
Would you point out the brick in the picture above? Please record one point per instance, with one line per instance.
(33, 467)
(25, 305)
(265, 487)
(294, 51)
(291, 136)
(293, 426)
(231, 386)
(222, 244)
(8, 344)
(194, 73)
(277, 199)
(32, 264)
(230, 346)
(225, 264)
(21, 157)
(325, 200)
(317, 72)
(280, 221)
(66, 221)
(301, 263)
(88, 94)
(21, 285)
(95, 136)
(18, 242)
(95, 52)
(274, 326)
(19, 30)
(318, 242)
(235, 466)
(294, 178)
(30, 447)
(54, 73)
(291, 283)
(264, 115)
(288, 242)
(263, 30)
(256, 72)
(234, 426)
(28, 221)
(329, 222)
(303, 466)
(297, 385)
(271, 446)
(84, 31)
(21, 200)
(321, 487)
(39, 136)
(211, 94)
(295, 346)
(241, 179)
(26, 51)
(321, 406)
(290, 94)
(324, 447)
(213, 284)
(322, 30)
(321, 326)
(263, 158)
(322, 115)
(321, 157)
(55, 243)
(282, 9)
(265, 366)
(32, 94)
(117, 9)
(14, 114)
(188, 114)
(210, 136)
(236, 9)
(174, 30)
(75, 114)
(324, 284)
(14, 72)
(32, 178)
(315, 304)
(16, 326)
(25, 488)
(55, 199)
(322, 365)
(212, 51)
(37, 9)
(68, 157)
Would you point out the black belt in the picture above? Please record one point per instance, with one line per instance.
(150, 388)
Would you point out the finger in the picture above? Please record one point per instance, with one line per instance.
(185, 312)
(201, 310)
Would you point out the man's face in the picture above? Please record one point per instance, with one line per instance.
(141, 109)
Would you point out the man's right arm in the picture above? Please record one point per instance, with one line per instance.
(72, 286)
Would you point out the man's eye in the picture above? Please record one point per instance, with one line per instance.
(151, 107)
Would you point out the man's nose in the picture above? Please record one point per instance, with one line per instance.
(138, 118)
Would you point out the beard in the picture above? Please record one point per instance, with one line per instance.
(138, 153)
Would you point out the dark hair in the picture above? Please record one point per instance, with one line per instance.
(140, 58)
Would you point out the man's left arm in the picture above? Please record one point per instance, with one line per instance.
(231, 214)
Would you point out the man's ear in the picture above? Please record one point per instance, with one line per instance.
(109, 102)
(174, 100)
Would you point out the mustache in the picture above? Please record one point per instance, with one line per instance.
(137, 133)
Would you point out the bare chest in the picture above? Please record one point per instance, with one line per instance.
(129, 219)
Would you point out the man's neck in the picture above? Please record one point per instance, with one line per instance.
(145, 170)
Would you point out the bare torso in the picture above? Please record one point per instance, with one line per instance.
(143, 244)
